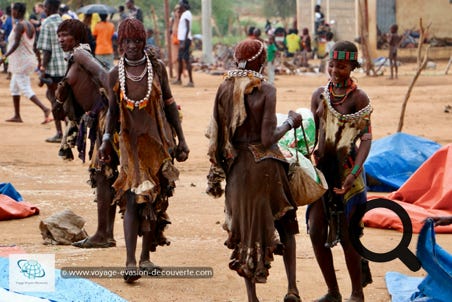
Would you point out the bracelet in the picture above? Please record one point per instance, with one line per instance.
(59, 102)
(106, 137)
(356, 170)
(290, 122)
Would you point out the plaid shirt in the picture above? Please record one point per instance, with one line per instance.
(48, 40)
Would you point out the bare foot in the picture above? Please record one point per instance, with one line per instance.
(14, 119)
(47, 117)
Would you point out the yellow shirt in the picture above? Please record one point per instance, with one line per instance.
(293, 43)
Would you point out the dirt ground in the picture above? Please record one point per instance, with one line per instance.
(36, 171)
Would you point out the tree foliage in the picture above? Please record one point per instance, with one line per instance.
(283, 9)
(225, 14)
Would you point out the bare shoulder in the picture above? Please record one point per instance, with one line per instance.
(317, 96)
(361, 99)
(80, 54)
(318, 92)
(113, 76)
(268, 88)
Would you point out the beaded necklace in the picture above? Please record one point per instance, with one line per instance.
(131, 104)
(137, 62)
(351, 86)
(136, 78)
(345, 117)
(243, 73)
(345, 83)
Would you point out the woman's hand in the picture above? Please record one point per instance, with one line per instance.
(442, 220)
(182, 151)
(105, 152)
(348, 183)
(296, 118)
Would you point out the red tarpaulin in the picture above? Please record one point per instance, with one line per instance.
(11, 209)
(428, 192)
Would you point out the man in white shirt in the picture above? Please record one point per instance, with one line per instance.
(185, 38)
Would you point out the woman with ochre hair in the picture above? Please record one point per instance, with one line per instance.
(260, 212)
(150, 139)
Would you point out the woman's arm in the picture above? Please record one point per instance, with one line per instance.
(18, 30)
(111, 119)
(315, 103)
(270, 134)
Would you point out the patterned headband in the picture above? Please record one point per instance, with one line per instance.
(242, 63)
(344, 55)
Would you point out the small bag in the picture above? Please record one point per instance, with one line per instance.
(304, 188)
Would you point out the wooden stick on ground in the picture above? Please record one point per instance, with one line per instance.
(448, 65)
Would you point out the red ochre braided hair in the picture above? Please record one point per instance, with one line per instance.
(251, 53)
(130, 28)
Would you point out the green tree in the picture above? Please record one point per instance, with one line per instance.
(283, 9)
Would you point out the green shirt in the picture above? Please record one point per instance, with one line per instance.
(271, 52)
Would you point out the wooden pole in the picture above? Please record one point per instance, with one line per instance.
(207, 32)
(364, 33)
(168, 38)
(156, 27)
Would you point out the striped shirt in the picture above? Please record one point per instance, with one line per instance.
(48, 40)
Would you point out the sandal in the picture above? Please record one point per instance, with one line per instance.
(131, 275)
(87, 244)
(150, 268)
(292, 297)
(55, 139)
(330, 297)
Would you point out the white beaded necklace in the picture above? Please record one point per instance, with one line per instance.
(136, 78)
(131, 104)
(243, 73)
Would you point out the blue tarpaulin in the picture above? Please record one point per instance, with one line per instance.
(70, 289)
(437, 262)
(393, 159)
(8, 189)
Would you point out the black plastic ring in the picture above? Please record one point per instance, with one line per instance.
(401, 251)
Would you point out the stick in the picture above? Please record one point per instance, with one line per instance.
(448, 65)
(420, 67)
(156, 27)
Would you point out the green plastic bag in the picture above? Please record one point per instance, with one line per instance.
(288, 140)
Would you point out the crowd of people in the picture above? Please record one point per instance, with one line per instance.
(134, 123)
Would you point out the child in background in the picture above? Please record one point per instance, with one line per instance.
(394, 40)
(305, 46)
(271, 54)
(328, 47)
(293, 42)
